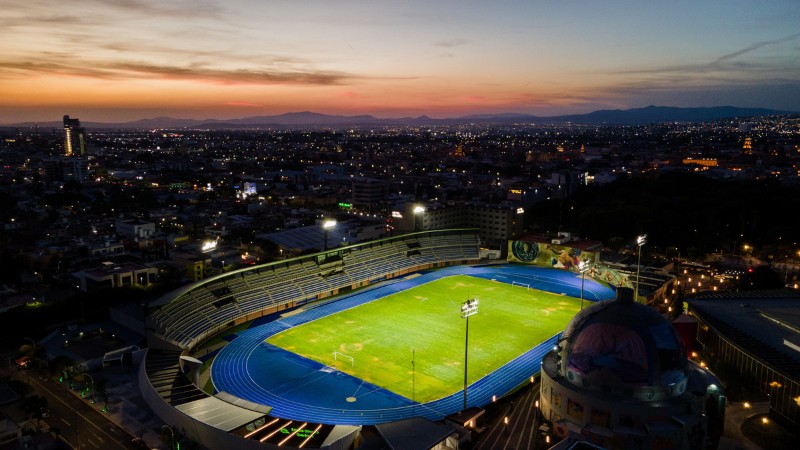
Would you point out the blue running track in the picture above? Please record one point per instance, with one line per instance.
(300, 389)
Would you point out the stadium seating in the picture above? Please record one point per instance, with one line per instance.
(188, 315)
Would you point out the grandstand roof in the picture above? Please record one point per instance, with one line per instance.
(758, 322)
(219, 414)
(415, 433)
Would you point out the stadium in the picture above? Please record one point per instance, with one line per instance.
(302, 353)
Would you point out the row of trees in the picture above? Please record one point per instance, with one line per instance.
(690, 212)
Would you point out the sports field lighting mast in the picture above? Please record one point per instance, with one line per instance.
(417, 211)
(640, 241)
(468, 308)
(583, 267)
(327, 225)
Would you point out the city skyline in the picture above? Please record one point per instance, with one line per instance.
(126, 60)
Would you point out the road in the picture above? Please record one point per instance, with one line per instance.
(82, 425)
(521, 431)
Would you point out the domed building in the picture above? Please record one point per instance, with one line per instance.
(619, 378)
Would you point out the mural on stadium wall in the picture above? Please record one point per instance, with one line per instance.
(563, 257)
(548, 255)
(610, 276)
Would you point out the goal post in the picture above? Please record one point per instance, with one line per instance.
(518, 284)
(338, 355)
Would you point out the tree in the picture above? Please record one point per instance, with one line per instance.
(615, 243)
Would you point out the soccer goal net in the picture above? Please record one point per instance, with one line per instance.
(523, 285)
(337, 356)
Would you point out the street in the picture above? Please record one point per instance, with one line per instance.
(81, 424)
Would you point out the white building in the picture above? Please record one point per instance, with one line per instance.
(136, 230)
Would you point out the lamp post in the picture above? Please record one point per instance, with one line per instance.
(172, 433)
(92, 380)
(640, 241)
(33, 343)
(583, 267)
(327, 225)
(468, 308)
(417, 211)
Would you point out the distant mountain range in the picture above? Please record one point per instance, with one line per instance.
(307, 119)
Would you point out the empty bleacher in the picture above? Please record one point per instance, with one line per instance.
(188, 314)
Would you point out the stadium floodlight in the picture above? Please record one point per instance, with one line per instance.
(419, 209)
(640, 241)
(468, 308)
(327, 225)
(583, 267)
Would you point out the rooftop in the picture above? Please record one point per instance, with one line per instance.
(758, 321)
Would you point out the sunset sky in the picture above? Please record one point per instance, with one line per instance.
(120, 60)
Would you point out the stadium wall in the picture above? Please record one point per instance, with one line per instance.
(547, 255)
(564, 257)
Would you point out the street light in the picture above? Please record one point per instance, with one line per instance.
(327, 225)
(33, 350)
(468, 308)
(640, 241)
(172, 433)
(417, 210)
(583, 267)
(92, 380)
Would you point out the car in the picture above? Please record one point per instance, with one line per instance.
(23, 362)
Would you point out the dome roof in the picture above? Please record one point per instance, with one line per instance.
(626, 347)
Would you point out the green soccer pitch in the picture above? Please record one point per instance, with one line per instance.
(424, 323)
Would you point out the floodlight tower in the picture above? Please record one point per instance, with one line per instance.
(468, 308)
(583, 267)
(640, 241)
(417, 211)
(327, 225)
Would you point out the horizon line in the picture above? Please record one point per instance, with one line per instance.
(486, 115)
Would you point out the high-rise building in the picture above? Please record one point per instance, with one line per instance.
(747, 147)
(497, 223)
(74, 142)
(369, 193)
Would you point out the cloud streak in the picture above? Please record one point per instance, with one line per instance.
(450, 43)
(727, 64)
(754, 47)
(133, 70)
